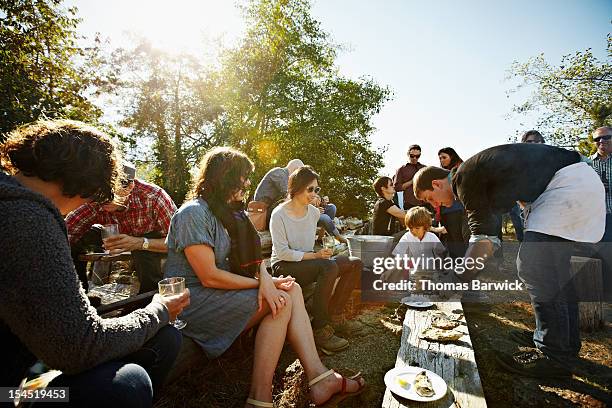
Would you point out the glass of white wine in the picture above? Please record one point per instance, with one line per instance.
(109, 230)
(171, 287)
(329, 242)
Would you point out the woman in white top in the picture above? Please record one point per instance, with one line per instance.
(293, 228)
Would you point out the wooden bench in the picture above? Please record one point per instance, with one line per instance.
(454, 361)
(588, 280)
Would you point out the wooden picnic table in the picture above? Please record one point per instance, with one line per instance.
(454, 361)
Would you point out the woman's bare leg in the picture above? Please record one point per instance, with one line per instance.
(299, 334)
(268, 346)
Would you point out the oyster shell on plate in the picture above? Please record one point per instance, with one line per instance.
(423, 385)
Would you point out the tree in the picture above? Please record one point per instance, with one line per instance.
(168, 104)
(571, 100)
(43, 71)
(283, 98)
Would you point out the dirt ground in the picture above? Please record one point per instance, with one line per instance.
(489, 323)
(224, 382)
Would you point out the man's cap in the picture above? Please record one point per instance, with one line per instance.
(130, 170)
(294, 164)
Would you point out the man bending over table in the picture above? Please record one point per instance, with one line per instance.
(563, 203)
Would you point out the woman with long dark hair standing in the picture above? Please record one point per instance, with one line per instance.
(453, 218)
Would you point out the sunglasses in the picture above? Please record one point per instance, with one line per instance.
(126, 182)
(599, 139)
(415, 156)
(315, 189)
(533, 141)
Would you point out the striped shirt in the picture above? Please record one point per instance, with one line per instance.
(603, 167)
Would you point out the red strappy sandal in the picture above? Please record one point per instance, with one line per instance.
(336, 398)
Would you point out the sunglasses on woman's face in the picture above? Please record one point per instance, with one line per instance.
(313, 188)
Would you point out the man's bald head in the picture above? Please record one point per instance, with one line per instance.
(293, 165)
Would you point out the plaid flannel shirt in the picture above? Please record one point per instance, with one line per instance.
(149, 209)
(603, 167)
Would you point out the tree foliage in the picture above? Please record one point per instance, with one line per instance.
(41, 64)
(571, 100)
(276, 95)
(283, 98)
(168, 105)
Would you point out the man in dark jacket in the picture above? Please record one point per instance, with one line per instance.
(563, 203)
(52, 167)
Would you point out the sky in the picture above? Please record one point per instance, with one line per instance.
(445, 61)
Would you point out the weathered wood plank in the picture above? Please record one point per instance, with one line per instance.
(454, 362)
(588, 279)
(127, 305)
(124, 256)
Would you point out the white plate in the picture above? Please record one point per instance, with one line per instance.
(417, 304)
(408, 373)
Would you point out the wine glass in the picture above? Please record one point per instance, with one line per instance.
(171, 287)
(329, 242)
(109, 230)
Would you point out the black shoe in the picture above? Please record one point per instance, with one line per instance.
(522, 337)
(531, 363)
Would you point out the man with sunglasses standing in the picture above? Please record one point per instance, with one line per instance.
(602, 163)
(403, 177)
(143, 212)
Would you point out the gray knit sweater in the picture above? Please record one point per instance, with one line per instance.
(44, 312)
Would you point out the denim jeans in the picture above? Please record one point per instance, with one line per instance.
(322, 271)
(604, 252)
(129, 381)
(326, 220)
(543, 264)
(326, 300)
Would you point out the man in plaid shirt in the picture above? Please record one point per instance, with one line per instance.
(143, 213)
(602, 163)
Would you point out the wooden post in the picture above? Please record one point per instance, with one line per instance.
(587, 276)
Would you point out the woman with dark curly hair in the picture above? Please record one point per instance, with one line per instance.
(54, 167)
(213, 245)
